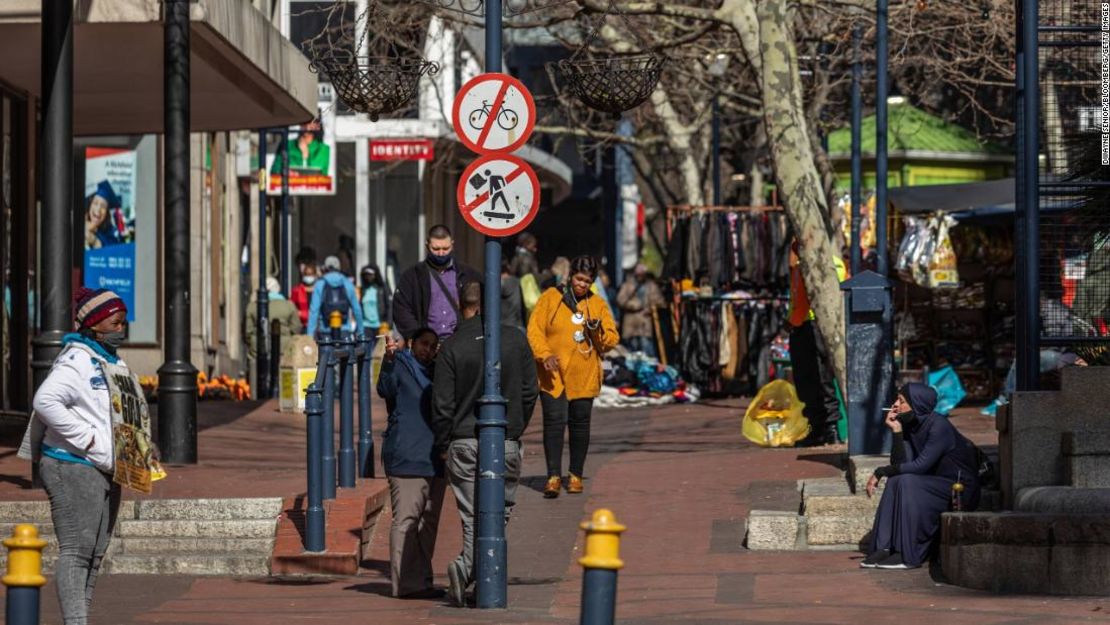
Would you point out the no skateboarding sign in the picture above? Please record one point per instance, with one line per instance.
(499, 195)
(494, 113)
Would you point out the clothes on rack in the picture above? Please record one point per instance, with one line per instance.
(729, 249)
(727, 344)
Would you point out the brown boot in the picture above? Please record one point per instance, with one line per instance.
(574, 485)
(551, 490)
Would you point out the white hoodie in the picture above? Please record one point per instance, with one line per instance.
(74, 405)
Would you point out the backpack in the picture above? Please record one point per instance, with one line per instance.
(335, 300)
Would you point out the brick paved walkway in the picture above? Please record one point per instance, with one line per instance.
(683, 481)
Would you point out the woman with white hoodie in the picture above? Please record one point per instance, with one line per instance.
(73, 416)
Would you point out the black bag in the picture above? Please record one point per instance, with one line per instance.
(335, 300)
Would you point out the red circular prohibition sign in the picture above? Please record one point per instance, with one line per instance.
(495, 110)
(520, 169)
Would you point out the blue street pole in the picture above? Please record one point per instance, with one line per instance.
(490, 552)
(857, 123)
(314, 411)
(328, 444)
(347, 416)
(880, 133)
(365, 417)
(1028, 286)
(262, 361)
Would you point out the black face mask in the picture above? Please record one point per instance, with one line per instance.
(439, 261)
(907, 418)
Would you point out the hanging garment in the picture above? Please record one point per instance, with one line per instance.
(724, 345)
(735, 253)
(674, 265)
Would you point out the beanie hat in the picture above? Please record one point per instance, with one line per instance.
(331, 263)
(272, 285)
(91, 306)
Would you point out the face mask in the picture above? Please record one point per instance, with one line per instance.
(439, 261)
(309, 280)
(112, 340)
(907, 418)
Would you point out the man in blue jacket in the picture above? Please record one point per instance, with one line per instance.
(334, 293)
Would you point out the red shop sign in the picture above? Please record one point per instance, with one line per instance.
(402, 150)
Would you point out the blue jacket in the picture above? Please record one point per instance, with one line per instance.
(333, 278)
(408, 442)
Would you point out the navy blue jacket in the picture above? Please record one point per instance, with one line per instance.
(408, 441)
(931, 445)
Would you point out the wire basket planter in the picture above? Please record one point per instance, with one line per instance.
(611, 85)
(375, 86)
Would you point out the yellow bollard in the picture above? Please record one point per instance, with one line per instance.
(335, 320)
(24, 557)
(24, 576)
(601, 563)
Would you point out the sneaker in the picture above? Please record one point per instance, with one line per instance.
(455, 588)
(895, 563)
(874, 559)
(554, 485)
(574, 485)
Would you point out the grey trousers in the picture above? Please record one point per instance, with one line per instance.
(416, 503)
(462, 469)
(83, 506)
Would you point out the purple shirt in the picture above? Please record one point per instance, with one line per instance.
(441, 314)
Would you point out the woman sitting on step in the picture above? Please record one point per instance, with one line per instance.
(933, 469)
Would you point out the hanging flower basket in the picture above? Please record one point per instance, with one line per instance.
(612, 85)
(378, 86)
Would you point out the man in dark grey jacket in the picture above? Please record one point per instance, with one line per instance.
(458, 384)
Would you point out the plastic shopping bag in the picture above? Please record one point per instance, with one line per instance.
(950, 392)
(942, 265)
(774, 418)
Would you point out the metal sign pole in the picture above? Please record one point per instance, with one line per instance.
(490, 549)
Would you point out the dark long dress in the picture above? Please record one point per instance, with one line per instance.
(927, 459)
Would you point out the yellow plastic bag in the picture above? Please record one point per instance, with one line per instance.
(774, 418)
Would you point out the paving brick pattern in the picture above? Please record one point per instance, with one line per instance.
(680, 478)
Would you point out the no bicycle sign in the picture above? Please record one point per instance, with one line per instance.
(498, 195)
(494, 113)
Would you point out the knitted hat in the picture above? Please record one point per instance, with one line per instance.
(331, 263)
(91, 306)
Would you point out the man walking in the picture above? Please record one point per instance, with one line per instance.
(457, 386)
(428, 292)
(335, 293)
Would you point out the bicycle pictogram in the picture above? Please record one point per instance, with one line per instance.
(507, 118)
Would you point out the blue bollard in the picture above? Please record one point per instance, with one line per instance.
(24, 576)
(347, 415)
(327, 447)
(314, 513)
(365, 418)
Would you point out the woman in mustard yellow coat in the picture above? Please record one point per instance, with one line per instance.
(569, 330)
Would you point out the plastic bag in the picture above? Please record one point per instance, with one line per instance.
(774, 418)
(950, 392)
(942, 263)
(903, 261)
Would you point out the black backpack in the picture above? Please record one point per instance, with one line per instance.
(335, 300)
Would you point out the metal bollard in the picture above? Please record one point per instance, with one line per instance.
(314, 512)
(327, 444)
(347, 415)
(601, 563)
(275, 357)
(24, 577)
(365, 418)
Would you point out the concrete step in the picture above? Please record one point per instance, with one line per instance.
(860, 469)
(833, 497)
(177, 564)
(775, 530)
(195, 546)
(209, 509)
(36, 512)
(45, 528)
(847, 532)
(248, 528)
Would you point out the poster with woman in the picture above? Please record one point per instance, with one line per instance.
(110, 222)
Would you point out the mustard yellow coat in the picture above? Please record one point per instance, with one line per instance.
(551, 333)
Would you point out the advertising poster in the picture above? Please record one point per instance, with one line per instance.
(135, 465)
(110, 222)
(311, 156)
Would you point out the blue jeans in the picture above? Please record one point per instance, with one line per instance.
(645, 344)
(84, 503)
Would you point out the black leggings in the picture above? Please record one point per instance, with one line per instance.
(559, 415)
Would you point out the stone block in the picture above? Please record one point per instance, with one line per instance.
(1063, 500)
(772, 530)
(838, 531)
(860, 469)
(833, 497)
(1029, 553)
(196, 546)
(250, 528)
(175, 564)
(209, 509)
